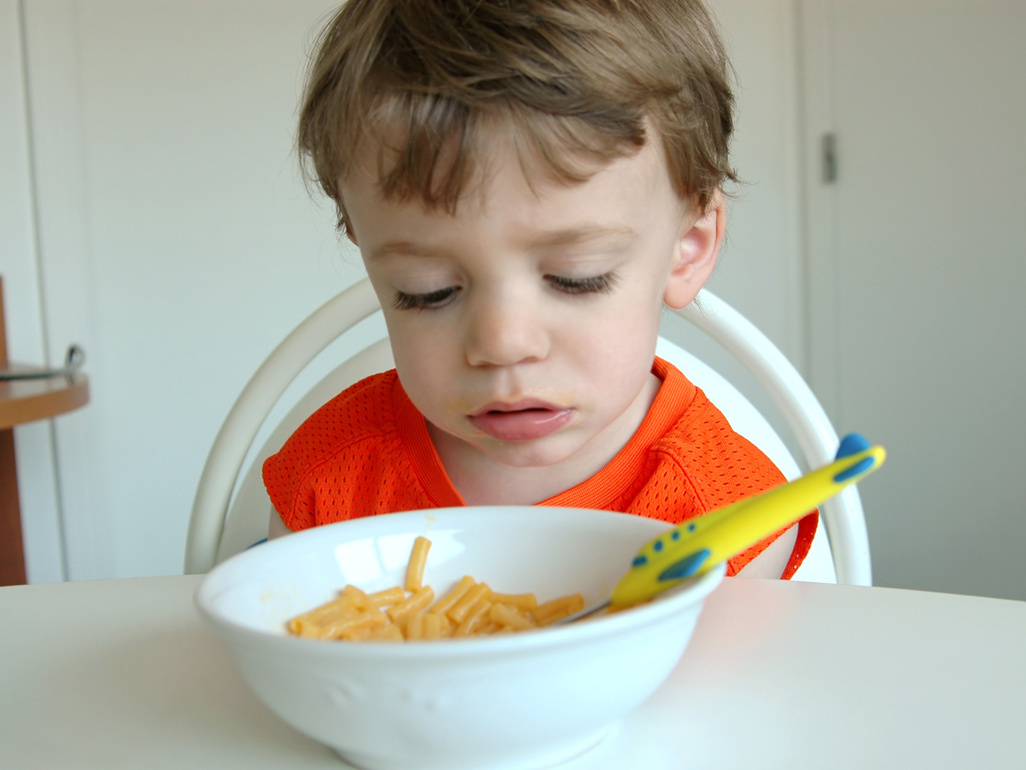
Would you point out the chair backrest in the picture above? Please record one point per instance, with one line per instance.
(231, 513)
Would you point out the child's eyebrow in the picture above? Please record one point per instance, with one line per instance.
(403, 248)
(546, 240)
(585, 234)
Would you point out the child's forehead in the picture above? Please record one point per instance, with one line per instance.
(522, 192)
(493, 146)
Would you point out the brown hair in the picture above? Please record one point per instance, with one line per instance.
(576, 80)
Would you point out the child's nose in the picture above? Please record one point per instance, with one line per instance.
(503, 333)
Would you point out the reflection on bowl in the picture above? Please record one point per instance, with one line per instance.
(525, 700)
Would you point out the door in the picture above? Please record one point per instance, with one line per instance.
(918, 273)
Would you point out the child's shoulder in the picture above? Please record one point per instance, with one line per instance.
(362, 411)
(698, 438)
(351, 431)
(365, 405)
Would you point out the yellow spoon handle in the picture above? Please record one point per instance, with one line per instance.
(702, 542)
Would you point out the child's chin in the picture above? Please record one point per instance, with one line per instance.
(547, 452)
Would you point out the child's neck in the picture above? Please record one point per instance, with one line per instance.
(481, 480)
(491, 483)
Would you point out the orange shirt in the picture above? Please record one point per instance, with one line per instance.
(367, 452)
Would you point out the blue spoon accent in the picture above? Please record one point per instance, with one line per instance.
(852, 444)
(686, 567)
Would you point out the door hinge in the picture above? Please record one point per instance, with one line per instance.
(828, 149)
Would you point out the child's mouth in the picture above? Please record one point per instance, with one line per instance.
(522, 421)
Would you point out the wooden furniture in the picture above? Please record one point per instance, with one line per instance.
(21, 401)
(124, 674)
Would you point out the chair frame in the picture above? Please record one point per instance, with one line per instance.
(805, 416)
(800, 408)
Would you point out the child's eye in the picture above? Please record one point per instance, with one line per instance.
(596, 284)
(431, 299)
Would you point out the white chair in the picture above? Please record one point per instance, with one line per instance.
(231, 513)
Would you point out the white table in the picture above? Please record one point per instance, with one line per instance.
(123, 674)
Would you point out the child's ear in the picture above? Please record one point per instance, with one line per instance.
(697, 250)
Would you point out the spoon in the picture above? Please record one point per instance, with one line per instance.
(701, 543)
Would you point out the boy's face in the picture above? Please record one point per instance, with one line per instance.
(524, 326)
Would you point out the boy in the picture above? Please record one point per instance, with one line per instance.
(528, 181)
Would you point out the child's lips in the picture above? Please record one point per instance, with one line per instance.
(520, 421)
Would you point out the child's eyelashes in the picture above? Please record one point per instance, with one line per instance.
(595, 284)
(431, 299)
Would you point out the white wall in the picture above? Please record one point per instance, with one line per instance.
(919, 267)
(176, 244)
(760, 268)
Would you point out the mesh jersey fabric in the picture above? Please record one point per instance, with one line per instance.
(367, 452)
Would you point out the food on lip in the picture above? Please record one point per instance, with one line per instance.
(394, 614)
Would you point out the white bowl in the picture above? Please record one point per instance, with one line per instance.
(526, 700)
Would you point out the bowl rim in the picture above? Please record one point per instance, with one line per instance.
(676, 600)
